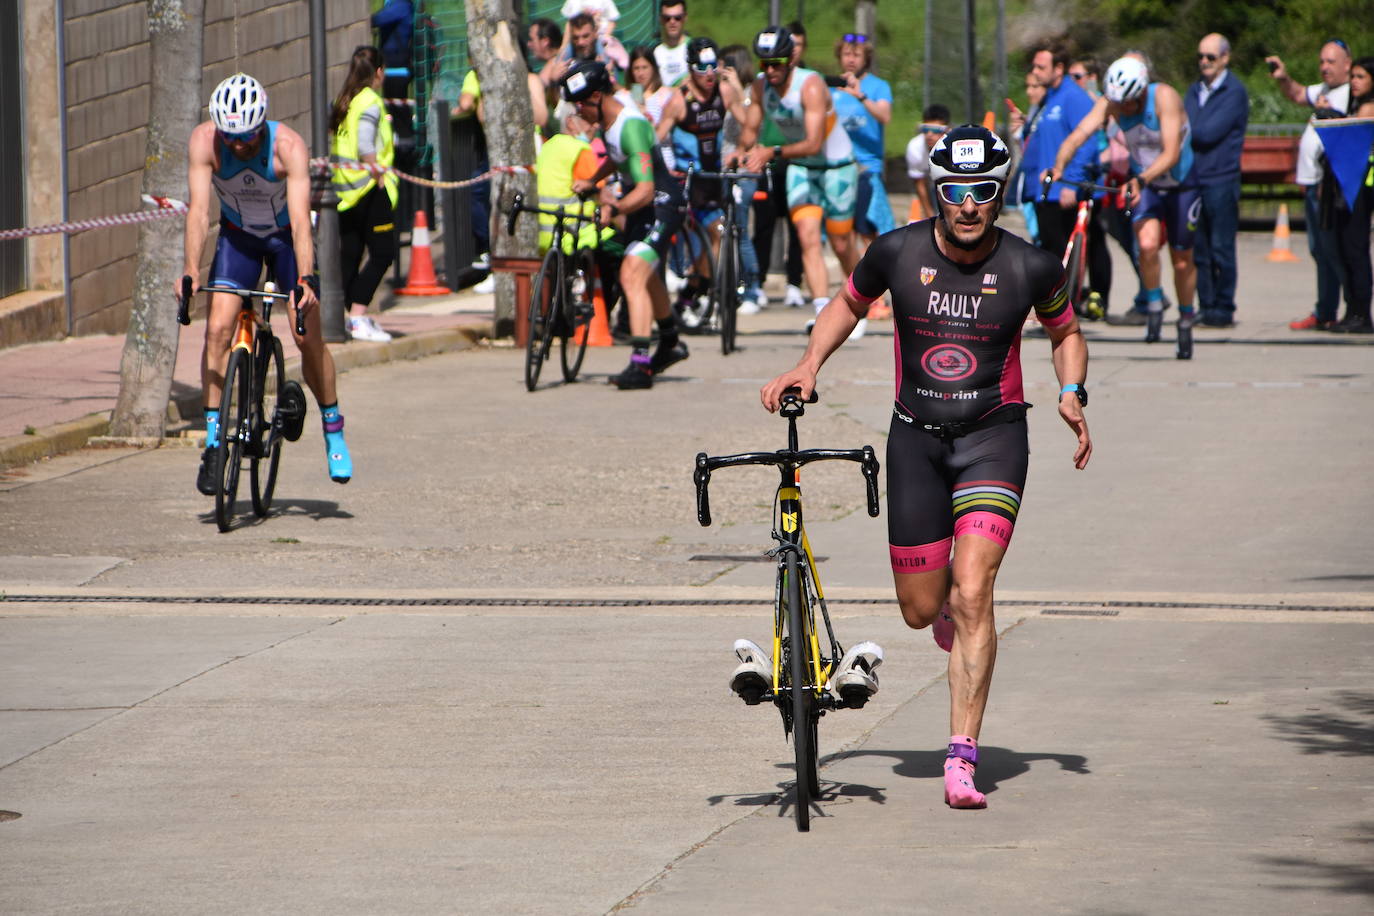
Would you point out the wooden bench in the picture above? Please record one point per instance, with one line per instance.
(524, 269)
(1269, 160)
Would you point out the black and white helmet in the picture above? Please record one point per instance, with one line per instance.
(773, 42)
(238, 105)
(585, 77)
(970, 152)
(1127, 79)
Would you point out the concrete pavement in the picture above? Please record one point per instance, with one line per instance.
(489, 674)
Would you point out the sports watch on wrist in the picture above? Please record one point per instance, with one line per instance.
(1078, 390)
(777, 154)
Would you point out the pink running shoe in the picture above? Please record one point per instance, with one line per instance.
(959, 765)
(943, 629)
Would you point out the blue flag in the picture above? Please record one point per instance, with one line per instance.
(1347, 142)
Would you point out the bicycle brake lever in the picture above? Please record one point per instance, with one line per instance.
(300, 317)
(514, 213)
(702, 478)
(184, 301)
(870, 469)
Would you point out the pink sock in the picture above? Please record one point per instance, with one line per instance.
(943, 628)
(959, 765)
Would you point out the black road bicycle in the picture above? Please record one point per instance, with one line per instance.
(561, 301)
(259, 406)
(727, 285)
(803, 660)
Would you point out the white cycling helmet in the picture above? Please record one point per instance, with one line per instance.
(1127, 79)
(238, 105)
(970, 152)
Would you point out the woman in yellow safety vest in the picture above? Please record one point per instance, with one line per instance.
(367, 203)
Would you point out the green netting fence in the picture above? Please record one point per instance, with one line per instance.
(441, 47)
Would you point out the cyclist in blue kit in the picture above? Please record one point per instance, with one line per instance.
(957, 448)
(260, 170)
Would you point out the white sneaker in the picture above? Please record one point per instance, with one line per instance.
(856, 676)
(859, 329)
(483, 262)
(487, 286)
(673, 282)
(760, 298)
(754, 676)
(361, 327)
(794, 298)
(747, 307)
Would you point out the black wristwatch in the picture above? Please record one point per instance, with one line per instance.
(777, 154)
(1078, 390)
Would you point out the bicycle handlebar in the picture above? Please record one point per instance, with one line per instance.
(519, 206)
(727, 176)
(266, 294)
(783, 459)
(184, 301)
(1083, 187)
(300, 316)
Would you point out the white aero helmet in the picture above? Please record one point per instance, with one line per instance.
(970, 152)
(1127, 79)
(238, 105)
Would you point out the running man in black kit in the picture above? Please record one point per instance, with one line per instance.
(957, 450)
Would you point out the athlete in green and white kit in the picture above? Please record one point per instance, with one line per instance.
(652, 209)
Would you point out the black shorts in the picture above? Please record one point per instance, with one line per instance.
(938, 490)
(649, 230)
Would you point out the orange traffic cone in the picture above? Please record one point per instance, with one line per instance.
(1281, 250)
(421, 281)
(989, 120)
(599, 329)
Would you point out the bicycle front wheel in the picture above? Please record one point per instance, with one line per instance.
(802, 696)
(727, 288)
(579, 306)
(234, 430)
(270, 386)
(544, 302)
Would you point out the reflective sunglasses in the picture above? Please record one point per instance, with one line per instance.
(766, 62)
(244, 136)
(956, 192)
(854, 38)
(934, 129)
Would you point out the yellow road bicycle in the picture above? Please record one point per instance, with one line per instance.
(803, 659)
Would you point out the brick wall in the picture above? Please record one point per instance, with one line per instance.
(107, 113)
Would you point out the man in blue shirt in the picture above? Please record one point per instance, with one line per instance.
(1065, 105)
(1218, 110)
(395, 24)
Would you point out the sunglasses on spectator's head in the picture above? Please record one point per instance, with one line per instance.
(673, 17)
(956, 192)
(1338, 43)
(766, 62)
(854, 38)
(241, 136)
(1207, 57)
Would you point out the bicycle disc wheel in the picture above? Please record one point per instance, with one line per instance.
(803, 722)
(727, 286)
(578, 309)
(269, 420)
(233, 418)
(543, 293)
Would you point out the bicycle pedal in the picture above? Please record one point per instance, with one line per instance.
(291, 408)
(854, 697)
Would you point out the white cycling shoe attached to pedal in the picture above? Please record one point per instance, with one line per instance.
(754, 676)
(856, 678)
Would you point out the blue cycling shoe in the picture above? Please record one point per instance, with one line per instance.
(335, 448)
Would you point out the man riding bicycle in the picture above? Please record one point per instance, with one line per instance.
(792, 117)
(259, 169)
(652, 207)
(1162, 189)
(957, 448)
(693, 119)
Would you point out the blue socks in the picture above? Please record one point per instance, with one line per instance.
(335, 448)
(211, 428)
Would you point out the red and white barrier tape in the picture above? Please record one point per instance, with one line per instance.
(166, 207)
(321, 164)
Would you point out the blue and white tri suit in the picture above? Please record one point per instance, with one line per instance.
(254, 225)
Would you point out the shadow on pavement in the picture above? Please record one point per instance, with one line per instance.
(1307, 877)
(995, 764)
(1347, 730)
(314, 509)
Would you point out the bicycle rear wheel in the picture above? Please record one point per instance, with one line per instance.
(234, 429)
(543, 303)
(690, 258)
(579, 306)
(801, 695)
(269, 417)
(727, 288)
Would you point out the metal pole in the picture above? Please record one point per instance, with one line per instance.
(971, 64)
(774, 11)
(1000, 71)
(327, 229)
(925, 60)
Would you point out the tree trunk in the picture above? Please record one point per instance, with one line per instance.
(509, 125)
(176, 30)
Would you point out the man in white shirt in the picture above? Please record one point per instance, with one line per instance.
(671, 52)
(1329, 98)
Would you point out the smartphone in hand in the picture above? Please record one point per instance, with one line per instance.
(836, 82)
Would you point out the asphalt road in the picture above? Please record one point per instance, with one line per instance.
(259, 722)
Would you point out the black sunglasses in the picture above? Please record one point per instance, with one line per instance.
(854, 38)
(1207, 57)
(673, 17)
